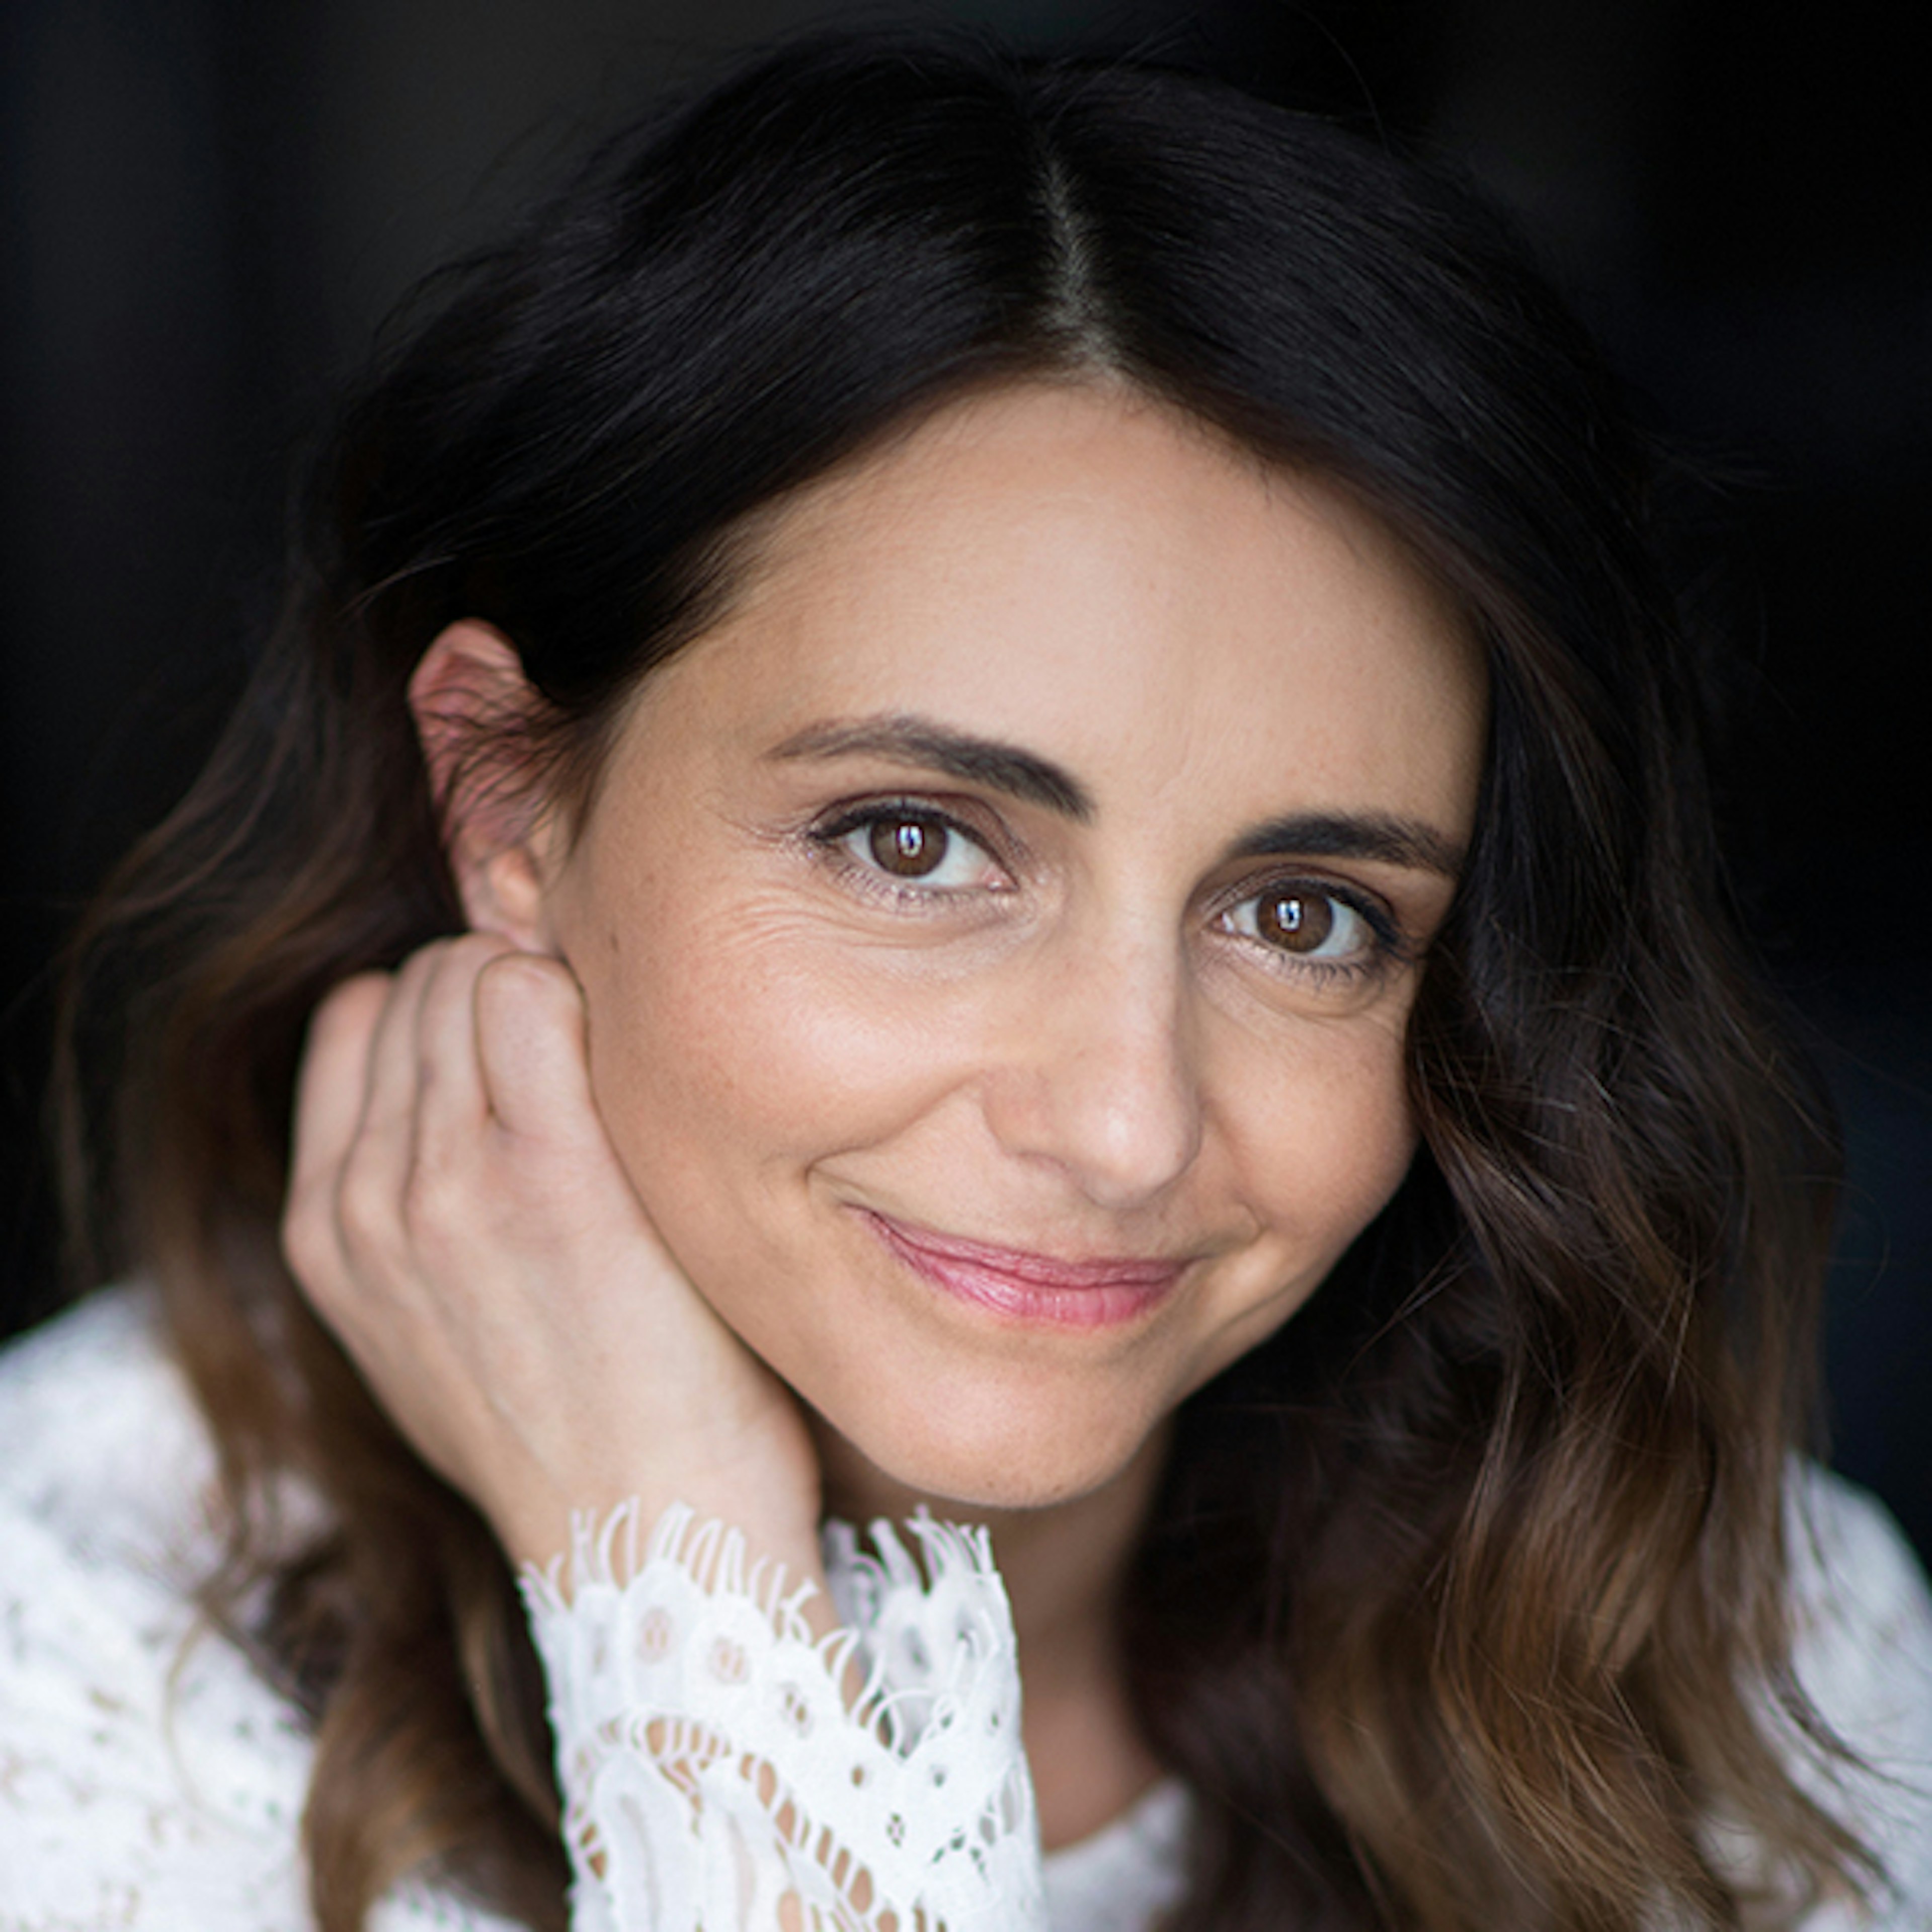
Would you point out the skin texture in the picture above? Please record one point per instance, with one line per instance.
(1084, 1036)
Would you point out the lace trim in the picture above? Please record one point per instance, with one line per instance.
(720, 1772)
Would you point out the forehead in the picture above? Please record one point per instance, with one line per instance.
(1083, 571)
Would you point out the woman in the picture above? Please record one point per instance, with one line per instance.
(978, 792)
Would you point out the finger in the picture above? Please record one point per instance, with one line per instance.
(371, 1187)
(330, 1094)
(389, 1111)
(332, 1087)
(532, 1045)
(453, 1102)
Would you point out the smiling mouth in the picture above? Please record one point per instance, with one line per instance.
(1028, 1287)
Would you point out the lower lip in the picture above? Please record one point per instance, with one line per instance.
(1029, 1287)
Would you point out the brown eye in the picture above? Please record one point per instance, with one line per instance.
(915, 854)
(1304, 926)
(908, 848)
(1295, 922)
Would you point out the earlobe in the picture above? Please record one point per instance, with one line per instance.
(472, 707)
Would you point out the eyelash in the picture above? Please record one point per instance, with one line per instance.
(909, 894)
(1385, 947)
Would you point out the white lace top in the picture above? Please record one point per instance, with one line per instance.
(712, 1760)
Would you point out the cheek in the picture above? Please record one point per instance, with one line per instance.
(729, 1053)
(1324, 1136)
(1320, 1136)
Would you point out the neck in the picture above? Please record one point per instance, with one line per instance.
(1064, 1566)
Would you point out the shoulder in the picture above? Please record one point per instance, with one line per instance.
(135, 1766)
(102, 1446)
(1862, 1624)
(1862, 1612)
(149, 1779)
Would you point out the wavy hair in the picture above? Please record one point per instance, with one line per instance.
(1463, 1605)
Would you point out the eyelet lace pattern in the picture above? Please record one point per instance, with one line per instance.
(724, 1769)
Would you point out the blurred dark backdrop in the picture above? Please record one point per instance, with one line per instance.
(206, 206)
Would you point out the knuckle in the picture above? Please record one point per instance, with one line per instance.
(360, 1208)
(435, 1202)
(349, 1008)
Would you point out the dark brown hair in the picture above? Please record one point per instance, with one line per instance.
(1464, 1596)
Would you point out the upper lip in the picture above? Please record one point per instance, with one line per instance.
(1026, 1265)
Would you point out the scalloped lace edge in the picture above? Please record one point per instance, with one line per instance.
(720, 1770)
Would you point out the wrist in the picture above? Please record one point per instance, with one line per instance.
(608, 1541)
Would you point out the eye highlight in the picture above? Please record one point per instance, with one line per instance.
(907, 847)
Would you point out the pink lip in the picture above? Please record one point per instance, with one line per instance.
(1030, 1287)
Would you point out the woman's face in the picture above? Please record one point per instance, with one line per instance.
(998, 934)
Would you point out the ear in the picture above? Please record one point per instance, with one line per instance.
(472, 706)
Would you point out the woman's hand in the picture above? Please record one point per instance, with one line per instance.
(457, 1216)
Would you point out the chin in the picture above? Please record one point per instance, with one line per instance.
(993, 1454)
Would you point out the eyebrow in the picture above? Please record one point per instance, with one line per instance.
(1380, 837)
(918, 741)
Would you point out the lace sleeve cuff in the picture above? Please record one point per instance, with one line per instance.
(718, 1772)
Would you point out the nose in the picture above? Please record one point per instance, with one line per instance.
(1100, 1077)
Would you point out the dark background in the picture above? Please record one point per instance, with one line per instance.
(206, 205)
